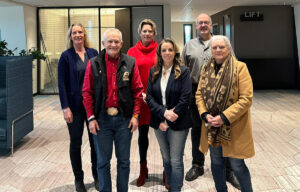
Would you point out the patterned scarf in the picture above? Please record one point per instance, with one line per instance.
(218, 92)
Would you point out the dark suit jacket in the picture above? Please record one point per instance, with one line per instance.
(68, 82)
(178, 93)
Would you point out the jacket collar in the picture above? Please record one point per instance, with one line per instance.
(202, 42)
(101, 58)
(170, 81)
(87, 50)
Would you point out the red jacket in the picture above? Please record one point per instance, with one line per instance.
(94, 90)
(145, 58)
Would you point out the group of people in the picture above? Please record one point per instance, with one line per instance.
(206, 89)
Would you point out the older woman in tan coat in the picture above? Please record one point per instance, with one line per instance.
(224, 97)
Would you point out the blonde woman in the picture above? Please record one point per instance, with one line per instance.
(71, 70)
(144, 53)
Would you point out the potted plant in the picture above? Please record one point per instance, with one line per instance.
(4, 51)
(34, 52)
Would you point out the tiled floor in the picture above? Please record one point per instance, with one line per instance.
(41, 160)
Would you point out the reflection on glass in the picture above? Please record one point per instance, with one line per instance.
(215, 29)
(53, 29)
(54, 24)
(108, 18)
(89, 18)
(188, 32)
(226, 21)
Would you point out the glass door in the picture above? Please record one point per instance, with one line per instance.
(53, 30)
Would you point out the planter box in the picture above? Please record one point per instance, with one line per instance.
(15, 98)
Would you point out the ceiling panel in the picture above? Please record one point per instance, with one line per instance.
(181, 10)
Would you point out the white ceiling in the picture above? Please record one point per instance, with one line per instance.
(181, 10)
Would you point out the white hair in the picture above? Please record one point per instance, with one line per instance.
(221, 38)
(210, 20)
(112, 30)
(225, 39)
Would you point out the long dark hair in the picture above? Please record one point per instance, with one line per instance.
(159, 64)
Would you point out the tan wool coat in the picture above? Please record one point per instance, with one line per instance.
(241, 145)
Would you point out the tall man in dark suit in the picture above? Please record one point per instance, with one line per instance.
(112, 96)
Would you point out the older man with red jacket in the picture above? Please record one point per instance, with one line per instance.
(112, 96)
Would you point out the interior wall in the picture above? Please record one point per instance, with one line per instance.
(18, 28)
(256, 39)
(13, 27)
(167, 21)
(177, 33)
(31, 39)
(217, 19)
(268, 47)
(271, 38)
(155, 14)
(30, 26)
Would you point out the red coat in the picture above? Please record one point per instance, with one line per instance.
(145, 58)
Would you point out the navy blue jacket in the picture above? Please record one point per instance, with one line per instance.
(68, 82)
(178, 93)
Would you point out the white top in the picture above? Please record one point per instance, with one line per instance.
(206, 42)
(164, 83)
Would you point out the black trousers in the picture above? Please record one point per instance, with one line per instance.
(143, 142)
(76, 131)
(198, 156)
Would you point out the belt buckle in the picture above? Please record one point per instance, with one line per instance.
(112, 111)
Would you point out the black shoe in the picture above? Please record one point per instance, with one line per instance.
(194, 173)
(231, 178)
(79, 185)
(96, 182)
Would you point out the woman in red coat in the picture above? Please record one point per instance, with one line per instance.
(144, 53)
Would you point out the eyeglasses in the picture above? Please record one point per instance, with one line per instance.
(203, 22)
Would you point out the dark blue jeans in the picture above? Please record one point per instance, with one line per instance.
(113, 131)
(172, 145)
(219, 173)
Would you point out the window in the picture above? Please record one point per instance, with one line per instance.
(54, 24)
(53, 30)
(187, 32)
(227, 26)
(89, 18)
(215, 29)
